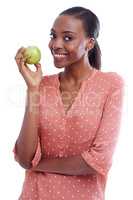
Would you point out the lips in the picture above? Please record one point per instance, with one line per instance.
(59, 54)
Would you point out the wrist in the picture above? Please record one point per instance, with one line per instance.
(33, 89)
(33, 99)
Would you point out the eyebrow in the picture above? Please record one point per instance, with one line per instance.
(52, 30)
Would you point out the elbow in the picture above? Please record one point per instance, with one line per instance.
(23, 160)
(26, 165)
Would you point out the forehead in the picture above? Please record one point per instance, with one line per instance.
(68, 23)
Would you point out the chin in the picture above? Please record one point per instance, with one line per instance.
(57, 65)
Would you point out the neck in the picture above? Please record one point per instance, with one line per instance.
(76, 73)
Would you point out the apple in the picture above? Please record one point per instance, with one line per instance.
(32, 54)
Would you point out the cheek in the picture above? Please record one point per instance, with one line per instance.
(78, 51)
(81, 48)
(78, 47)
(50, 44)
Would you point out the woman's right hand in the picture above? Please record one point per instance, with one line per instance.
(31, 78)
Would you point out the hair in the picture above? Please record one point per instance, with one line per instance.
(91, 26)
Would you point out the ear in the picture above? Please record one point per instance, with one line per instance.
(90, 43)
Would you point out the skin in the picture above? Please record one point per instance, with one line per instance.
(24, 149)
(68, 36)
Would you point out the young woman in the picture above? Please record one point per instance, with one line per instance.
(72, 118)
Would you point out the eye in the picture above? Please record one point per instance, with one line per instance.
(67, 38)
(52, 35)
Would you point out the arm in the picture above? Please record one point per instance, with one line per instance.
(100, 154)
(74, 165)
(98, 158)
(27, 141)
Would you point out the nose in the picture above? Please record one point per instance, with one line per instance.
(57, 44)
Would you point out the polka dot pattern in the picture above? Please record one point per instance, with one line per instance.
(89, 128)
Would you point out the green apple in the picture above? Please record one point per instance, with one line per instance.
(32, 54)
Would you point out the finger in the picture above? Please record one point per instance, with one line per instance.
(20, 49)
(19, 59)
(38, 65)
(19, 53)
(38, 68)
(22, 66)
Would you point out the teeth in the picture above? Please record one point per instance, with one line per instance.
(59, 55)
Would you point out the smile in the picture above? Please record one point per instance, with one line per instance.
(59, 55)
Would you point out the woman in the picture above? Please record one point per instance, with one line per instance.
(72, 118)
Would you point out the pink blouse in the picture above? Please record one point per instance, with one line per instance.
(89, 128)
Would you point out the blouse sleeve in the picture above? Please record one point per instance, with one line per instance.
(99, 155)
(37, 155)
(15, 153)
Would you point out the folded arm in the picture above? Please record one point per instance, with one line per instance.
(74, 165)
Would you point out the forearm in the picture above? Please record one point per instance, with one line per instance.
(67, 166)
(27, 141)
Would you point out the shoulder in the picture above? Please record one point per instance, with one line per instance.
(114, 79)
(49, 80)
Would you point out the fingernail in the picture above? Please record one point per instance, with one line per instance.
(38, 65)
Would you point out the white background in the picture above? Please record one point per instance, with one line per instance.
(28, 22)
